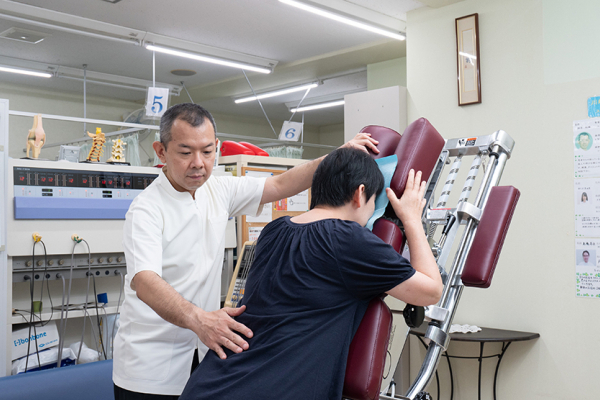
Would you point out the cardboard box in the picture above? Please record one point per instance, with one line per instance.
(47, 336)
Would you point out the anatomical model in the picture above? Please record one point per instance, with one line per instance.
(36, 137)
(116, 154)
(97, 145)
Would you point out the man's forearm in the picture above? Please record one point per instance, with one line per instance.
(291, 182)
(165, 300)
(300, 177)
(216, 329)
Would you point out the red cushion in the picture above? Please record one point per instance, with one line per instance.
(489, 238)
(229, 148)
(390, 233)
(257, 150)
(418, 148)
(364, 368)
(387, 137)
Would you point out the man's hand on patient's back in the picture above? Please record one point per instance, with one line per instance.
(217, 329)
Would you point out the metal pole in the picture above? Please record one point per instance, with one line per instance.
(302, 135)
(260, 103)
(84, 99)
(188, 93)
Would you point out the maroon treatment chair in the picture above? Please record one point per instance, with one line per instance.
(418, 148)
(487, 221)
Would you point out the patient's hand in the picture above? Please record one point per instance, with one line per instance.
(218, 328)
(409, 208)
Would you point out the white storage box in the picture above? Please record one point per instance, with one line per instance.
(47, 336)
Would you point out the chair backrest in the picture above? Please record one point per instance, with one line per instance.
(489, 238)
(419, 149)
(366, 359)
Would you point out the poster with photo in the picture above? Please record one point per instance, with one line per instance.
(587, 207)
(586, 149)
(586, 145)
(587, 270)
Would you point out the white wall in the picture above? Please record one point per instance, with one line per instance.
(331, 135)
(534, 283)
(386, 73)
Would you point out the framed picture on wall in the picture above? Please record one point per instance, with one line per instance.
(467, 58)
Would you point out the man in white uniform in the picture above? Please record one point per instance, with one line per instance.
(174, 244)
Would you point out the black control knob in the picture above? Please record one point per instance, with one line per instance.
(413, 315)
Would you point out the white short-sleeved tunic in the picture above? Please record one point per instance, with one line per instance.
(182, 240)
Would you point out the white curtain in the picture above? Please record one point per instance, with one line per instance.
(132, 150)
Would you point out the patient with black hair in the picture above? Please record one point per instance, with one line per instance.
(312, 279)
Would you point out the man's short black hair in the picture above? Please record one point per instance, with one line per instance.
(193, 114)
(341, 173)
(585, 251)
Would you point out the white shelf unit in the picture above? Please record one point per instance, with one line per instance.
(240, 161)
(108, 309)
(103, 236)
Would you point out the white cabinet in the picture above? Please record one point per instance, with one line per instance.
(386, 107)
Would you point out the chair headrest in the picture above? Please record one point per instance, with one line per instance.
(418, 148)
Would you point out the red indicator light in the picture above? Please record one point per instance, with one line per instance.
(103, 182)
(43, 179)
(71, 180)
(22, 178)
(128, 183)
(50, 179)
(110, 182)
(85, 181)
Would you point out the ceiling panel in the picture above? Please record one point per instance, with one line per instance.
(244, 26)
(393, 8)
(307, 47)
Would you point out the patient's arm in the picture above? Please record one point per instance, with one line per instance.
(425, 286)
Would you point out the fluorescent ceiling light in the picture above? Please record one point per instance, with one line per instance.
(345, 20)
(69, 30)
(26, 72)
(318, 106)
(277, 93)
(213, 60)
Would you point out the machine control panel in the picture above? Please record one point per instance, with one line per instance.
(54, 193)
(44, 182)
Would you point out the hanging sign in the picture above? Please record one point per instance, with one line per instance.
(291, 131)
(157, 101)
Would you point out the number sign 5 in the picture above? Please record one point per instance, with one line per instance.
(157, 101)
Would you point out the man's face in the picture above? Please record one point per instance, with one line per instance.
(586, 257)
(584, 141)
(189, 155)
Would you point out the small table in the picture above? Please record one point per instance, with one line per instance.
(483, 336)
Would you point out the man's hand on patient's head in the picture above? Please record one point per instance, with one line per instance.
(364, 142)
(217, 329)
(409, 208)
